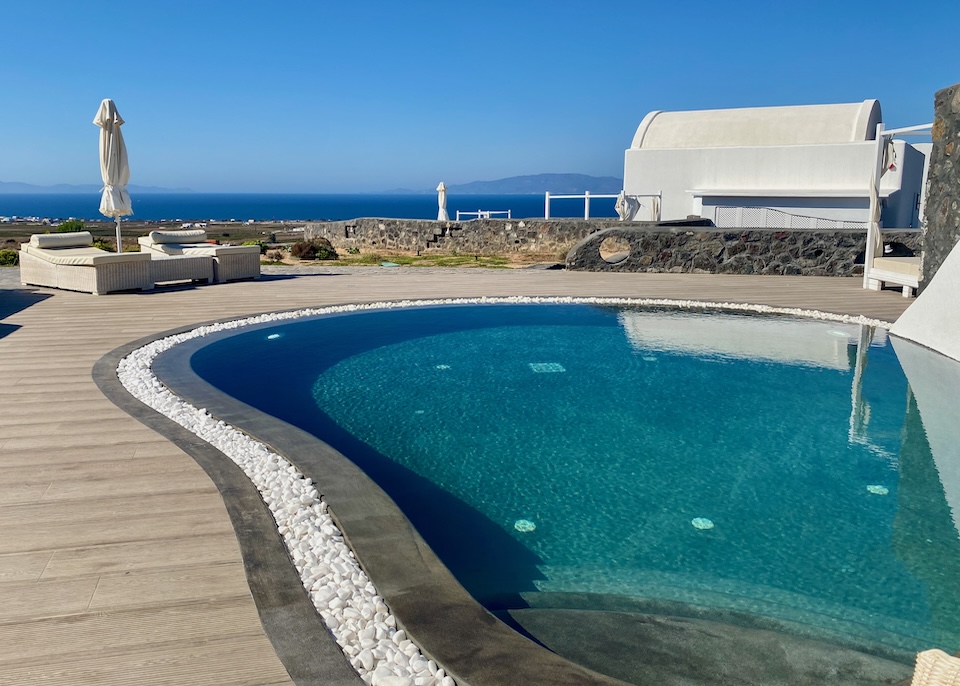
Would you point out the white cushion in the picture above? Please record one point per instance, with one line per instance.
(70, 239)
(219, 250)
(901, 265)
(188, 236)
(147, 245)
(83, 256)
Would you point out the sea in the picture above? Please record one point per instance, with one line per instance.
(260, 207)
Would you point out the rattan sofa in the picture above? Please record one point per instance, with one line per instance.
(69, 261)
(230, 262)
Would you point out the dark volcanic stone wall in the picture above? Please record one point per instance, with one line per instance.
(651, 248)
(942, 215)
(726, 251)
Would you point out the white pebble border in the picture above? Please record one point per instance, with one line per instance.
(345, 598)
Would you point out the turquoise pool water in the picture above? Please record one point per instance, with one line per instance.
(747, 466)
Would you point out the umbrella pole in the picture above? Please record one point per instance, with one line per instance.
(119, 249)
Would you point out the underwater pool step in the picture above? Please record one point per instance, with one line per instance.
(704, 596)
(643, 649)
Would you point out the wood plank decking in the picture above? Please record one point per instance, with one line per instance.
(118, 563)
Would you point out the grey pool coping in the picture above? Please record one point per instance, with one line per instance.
(301, 640)
(450, 627)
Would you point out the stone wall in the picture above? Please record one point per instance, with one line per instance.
(942, 216)
(646, 246)
(730, 251)
(476, 237)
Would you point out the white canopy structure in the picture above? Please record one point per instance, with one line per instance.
(803, 167)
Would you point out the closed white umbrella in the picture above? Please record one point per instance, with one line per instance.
(623, 211)
(442, 215)
(627, 207)
(114, 169)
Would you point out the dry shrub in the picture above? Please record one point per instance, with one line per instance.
(314, 249)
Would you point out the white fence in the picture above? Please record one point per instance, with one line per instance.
(484, 214)
(633, 203)
(586, 202)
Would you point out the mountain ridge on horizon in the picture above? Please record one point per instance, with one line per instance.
(533, 184)
(529, 184)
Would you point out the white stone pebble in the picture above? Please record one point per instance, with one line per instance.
(345, 598)
(393, 681)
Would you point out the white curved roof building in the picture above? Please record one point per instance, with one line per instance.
(759, 127)
(777, 167)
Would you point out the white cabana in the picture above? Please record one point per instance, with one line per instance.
(802, 167)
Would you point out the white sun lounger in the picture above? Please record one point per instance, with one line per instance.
(230, 262)
(69, 261)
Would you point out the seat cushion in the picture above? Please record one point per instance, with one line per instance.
(163, 248)
(901, 265)
(219, 250)
(183, 236)
(71, 239)
(83, 256)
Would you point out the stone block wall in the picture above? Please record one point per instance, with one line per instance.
(942, 215)
(729, 251)
(646, 246)
(476, 237)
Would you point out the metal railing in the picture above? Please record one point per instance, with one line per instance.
(484, 214)
(587, 196)
(586, 201)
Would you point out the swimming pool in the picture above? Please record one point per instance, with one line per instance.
(582, 458)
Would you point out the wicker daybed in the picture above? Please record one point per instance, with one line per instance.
(69, 261)
(230, 262)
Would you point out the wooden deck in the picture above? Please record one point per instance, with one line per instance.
(118, 563)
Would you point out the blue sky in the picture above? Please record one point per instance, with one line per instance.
(333, 97)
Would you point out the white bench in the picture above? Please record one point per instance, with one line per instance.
(902, 271)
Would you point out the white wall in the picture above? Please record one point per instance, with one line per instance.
(853, 210)
(933, 319)
(829, 181)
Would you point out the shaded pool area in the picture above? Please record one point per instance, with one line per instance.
(597, 466)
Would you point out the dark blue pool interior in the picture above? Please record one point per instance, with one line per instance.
(612, 451)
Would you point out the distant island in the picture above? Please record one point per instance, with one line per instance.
(534, 184)
(15, 187)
